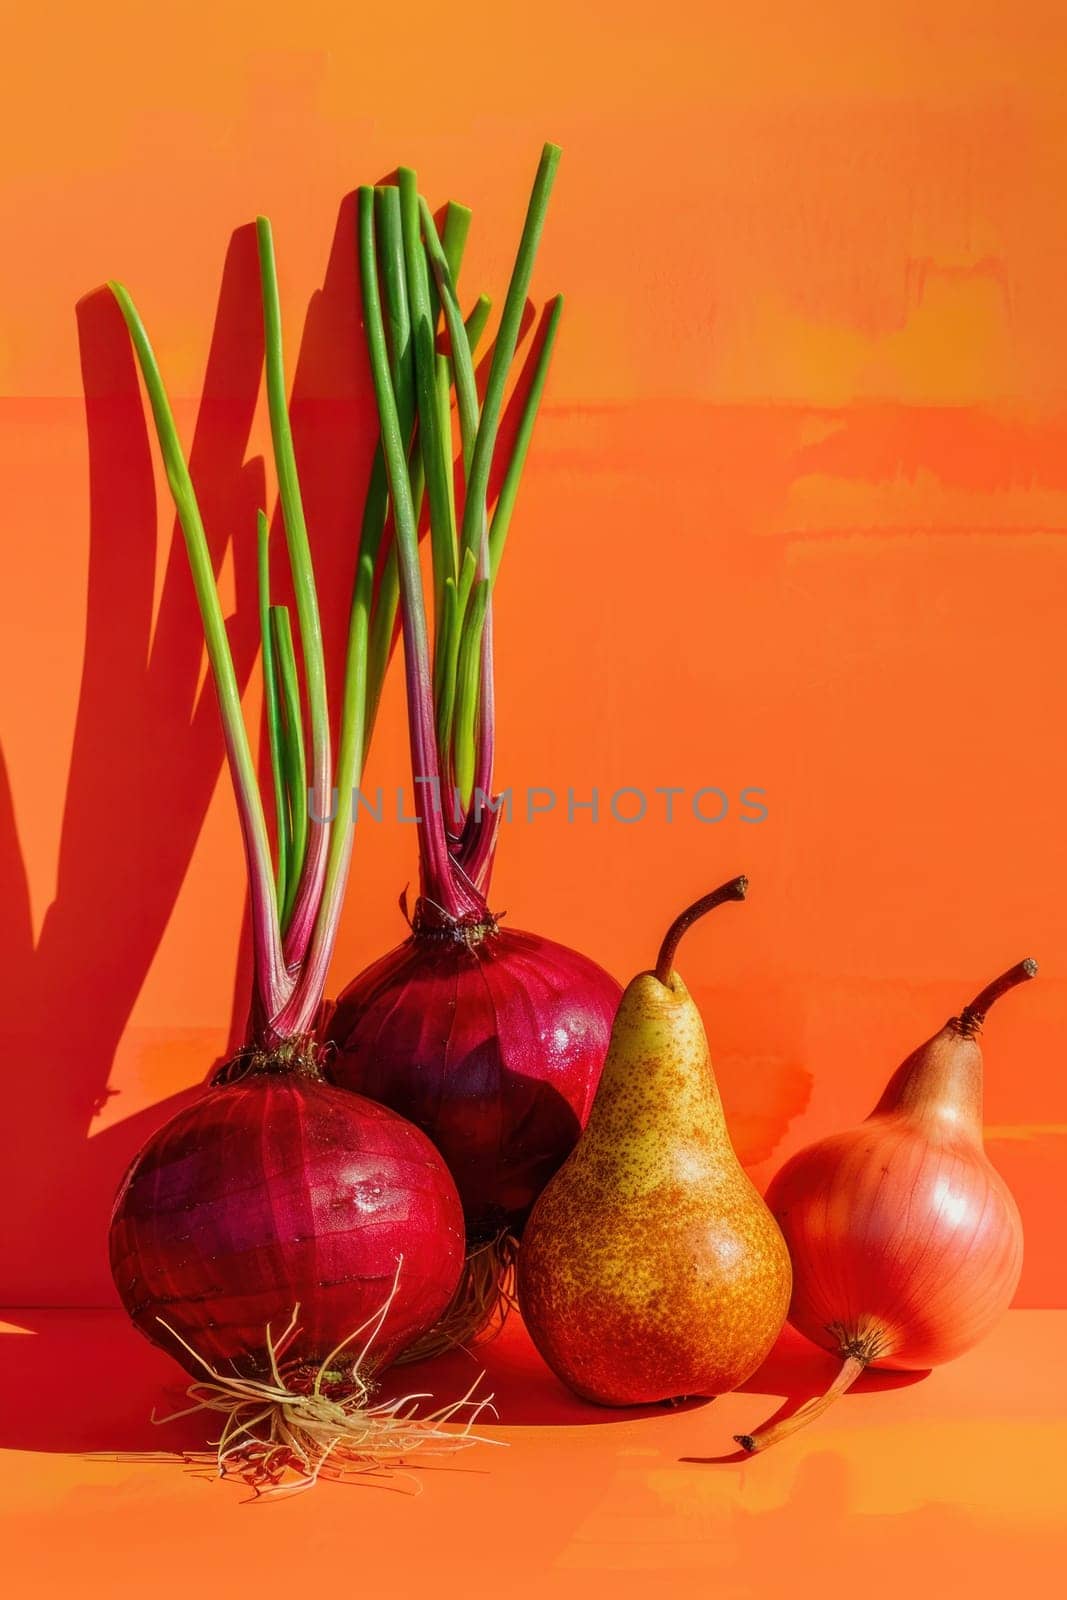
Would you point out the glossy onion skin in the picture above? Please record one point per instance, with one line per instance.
(278, 1190)
(895, 1229)
(494, 1049)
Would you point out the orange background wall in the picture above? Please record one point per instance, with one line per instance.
(794, 518)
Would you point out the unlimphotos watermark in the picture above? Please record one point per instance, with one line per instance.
(628, 804)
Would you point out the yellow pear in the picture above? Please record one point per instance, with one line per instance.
(650, 1268)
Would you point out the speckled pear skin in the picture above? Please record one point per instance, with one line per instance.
(650, 1267)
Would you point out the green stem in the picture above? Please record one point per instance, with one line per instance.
(468, 674)
(498, 530)
(454, 234)
(351, 753)
(383, 619)
(382, 636)
(438, 879)
(271, 707)
(462, 365)
(477, 319)
(454, 230)
(270, 977)
(443, 395)
(452, 635)
(307, 609)
(436, 455)
(445, 678)
(397, 322)
(474, 533)
(371, 622)
(294, 762)
(397, 307)
(474, 538)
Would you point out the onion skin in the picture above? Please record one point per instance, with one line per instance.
(916, 1300)
(489, 1040)
(275, 1191)
(906, 1242)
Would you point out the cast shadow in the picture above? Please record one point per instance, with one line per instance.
(79, 1382)
(527, 1394)
(145, 757)
(87, 1381)
(147, 748)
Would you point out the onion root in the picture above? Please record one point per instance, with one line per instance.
(482, 1303)
(282, 1433)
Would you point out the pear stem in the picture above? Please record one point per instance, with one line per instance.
(970, 1019)
(736, 889)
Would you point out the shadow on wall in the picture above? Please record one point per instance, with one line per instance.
(147, 746)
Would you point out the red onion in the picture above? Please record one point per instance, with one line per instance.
(906, 1243)
(492, 1043)
(282, 1238)
(276, 1192)
(491, 1040)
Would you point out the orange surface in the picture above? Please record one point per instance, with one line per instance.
(794, 518)
(947, 1484)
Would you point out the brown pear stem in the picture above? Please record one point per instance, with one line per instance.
(971, 1017)
(763, 1438)
(736, 889)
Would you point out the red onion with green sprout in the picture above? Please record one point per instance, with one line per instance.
(489, 1039)
(283, 1238)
